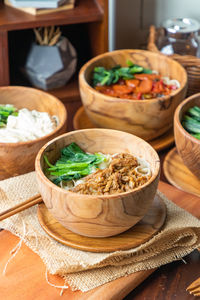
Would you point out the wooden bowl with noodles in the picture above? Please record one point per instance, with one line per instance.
(19, 157)
(188, 146)
(147, 119)
(105, 214)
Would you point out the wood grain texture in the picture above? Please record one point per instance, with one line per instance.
(72, 107)
(170, 281)
(147, 119)
(4, 70)
(85, 11)
(19, 158)
(25, 276)
(135, 236)
(40, 11)
(179, 175)
(67, 93)
(188, 147)
(81, 121)
(91, 215)
(98, 31)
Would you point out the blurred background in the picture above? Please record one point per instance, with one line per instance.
(129, 20)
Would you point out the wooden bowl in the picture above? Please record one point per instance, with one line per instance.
(98, 216)
(188, 147)
(19, 158)
(147, 119)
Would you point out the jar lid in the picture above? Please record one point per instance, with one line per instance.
(181, 25)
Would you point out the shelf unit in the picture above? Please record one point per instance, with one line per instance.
(92, 13)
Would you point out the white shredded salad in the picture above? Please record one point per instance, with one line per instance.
(27, 126)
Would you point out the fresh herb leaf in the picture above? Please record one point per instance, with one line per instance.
(136, 69)
(147, 71)
(5, 112)
(102, 76)
(129, 63)
(73, 164)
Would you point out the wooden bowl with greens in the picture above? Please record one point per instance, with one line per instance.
(97, 182)
(20, 142)
(135, 91)
(187, 132)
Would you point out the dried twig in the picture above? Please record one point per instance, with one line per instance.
(45, 41)
(51, 32)
(38, 36)
(55, 39)
(47, 35)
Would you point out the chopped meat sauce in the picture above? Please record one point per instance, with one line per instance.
(119, 177)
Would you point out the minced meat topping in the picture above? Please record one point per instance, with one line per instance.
(121, 176)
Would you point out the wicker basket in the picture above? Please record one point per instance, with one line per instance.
(190, 63)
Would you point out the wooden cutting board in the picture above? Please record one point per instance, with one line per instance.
(25, 275)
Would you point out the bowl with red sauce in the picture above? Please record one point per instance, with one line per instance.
(136, 91)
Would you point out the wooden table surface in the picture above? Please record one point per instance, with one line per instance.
(166, 283)
(170, 281)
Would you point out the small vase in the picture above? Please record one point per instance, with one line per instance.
(49, 67)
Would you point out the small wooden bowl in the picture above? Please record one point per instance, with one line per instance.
(98, 216)
(147, 119)
(19, 158)
(188, 147)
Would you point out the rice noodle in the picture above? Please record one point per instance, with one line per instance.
(28, 125)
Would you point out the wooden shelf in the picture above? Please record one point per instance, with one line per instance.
(70, 97)
(85, 11)
(68, 93)
(90, 39)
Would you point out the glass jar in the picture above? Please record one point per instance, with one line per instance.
(179, 36)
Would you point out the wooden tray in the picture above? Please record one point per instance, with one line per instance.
(81, 121)
(179, 175)
(131, 238)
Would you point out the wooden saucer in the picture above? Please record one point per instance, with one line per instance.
(135, 236)
(81, 121)
(179, 175)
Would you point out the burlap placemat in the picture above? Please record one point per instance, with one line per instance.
(86, 270)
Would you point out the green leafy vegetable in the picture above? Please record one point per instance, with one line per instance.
(5, 112)
(102, 76)
(194, 112)
(191, 121)
(147, 71)
(197, 136)
(73, 164)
